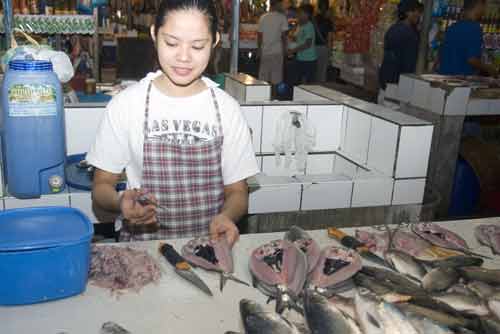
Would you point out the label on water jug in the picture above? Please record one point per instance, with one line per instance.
(28, 100)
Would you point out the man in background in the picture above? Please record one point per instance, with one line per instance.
(324, 29)
(461, 51)
(272, 37)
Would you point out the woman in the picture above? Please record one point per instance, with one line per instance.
(400, 45)
(183, 142)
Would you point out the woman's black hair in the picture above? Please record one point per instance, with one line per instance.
(406, 6)
(307, 9)
(206, 7)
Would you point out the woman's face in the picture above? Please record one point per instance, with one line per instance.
(184, 43)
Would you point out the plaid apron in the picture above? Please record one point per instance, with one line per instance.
(186, 179)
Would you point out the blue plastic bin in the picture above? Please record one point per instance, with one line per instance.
(44, 254)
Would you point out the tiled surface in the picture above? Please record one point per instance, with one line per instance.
(456, 101)
(61, 199)
(327, 195)
(275, 199)
(413, 152)
(272, 168)
(327, 120)
(437, 100)
(253, 115)
(357, 134)
(320, 164)
(421, 94)
(258, 93)
(270, 118)
(405, 88)
(408, 191)
(302, 95)
(482, 107)
(344, 167)
(81, 128)
(382, 147)
(372, 192)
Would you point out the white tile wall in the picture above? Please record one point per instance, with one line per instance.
(342, 166)
(269, 167)
(82, 200)
(410, 191)
(405, 88)
(258, 93)
(382, 147)
(253, 115)
(327, 195)
(275, 198)
(456, 101)
(438, 98)
(372, 192)
(303, 95)
(478, 107)
(421, 94)
(327, 120)
(61, 199)
(270, 118)
(320, 164)
(413, 152)
(357, 134)
(81, 128)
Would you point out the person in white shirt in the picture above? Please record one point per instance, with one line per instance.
(272, 37)
(182, 142)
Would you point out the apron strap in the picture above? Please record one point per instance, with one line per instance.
(146, 110)
(217, 111)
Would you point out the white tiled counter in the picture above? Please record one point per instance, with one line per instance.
(246, 88)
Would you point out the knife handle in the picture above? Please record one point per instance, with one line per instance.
(346, 240)
(173, 257)
(336, 233)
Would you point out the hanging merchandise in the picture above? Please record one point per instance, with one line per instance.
(294, 133)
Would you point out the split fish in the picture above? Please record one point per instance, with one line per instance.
(308, 245)
(439, 236)
(489, 235)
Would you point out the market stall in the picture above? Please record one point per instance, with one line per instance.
(173, 305)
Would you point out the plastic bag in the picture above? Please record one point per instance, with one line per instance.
(60, 62)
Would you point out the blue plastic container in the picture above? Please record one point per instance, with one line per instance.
(33, 130)
(44, 254)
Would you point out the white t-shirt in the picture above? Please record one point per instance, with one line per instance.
(119, 141)
(272, 25)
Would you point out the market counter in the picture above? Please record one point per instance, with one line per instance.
(173, 305)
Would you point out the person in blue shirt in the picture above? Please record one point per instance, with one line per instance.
(461, 51)
(401, 44)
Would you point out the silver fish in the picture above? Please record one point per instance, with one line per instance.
(344, 304)
(489, 326)
(405, 264)
(426, 326)
(439, 279)
(490, 276)
(323, 317)
(110, 327)
(494, 305)
(483, 290)
(439, 317)
(257, 320)
(463, 303)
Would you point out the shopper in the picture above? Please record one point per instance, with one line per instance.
(304, 47)
(182, 141)
(461, 51)
(400, 45)
(324, 29)
(272, 36)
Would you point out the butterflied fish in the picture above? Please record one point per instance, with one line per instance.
(405, 264)
(440, 279)
(323, 317)
(489, 235)
(308, 245)
(463, 303)
(439, 236)
(258, 320)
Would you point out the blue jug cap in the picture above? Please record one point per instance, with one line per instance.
(30, 65)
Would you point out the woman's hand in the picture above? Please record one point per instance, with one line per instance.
(135, 212)
(223, 227)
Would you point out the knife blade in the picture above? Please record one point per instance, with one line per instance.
(353, 243)
(182, 267)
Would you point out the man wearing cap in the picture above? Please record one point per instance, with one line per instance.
(401, 45)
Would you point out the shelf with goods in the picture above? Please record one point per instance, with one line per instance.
(447, 12)
(53, 24)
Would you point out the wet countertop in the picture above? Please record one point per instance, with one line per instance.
(173, 305)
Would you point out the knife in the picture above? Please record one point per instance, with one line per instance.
(353, 243)
(182, 268)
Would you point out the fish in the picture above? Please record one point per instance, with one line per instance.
(489, 326)
(439, 236)
(335, 266)
(344, 304)
(461, 288)
(425, 325)
(323, 317)
(279, 270)
(455, 262)
(110, 327)
(308, 245)
(214, 255)
(481, 289)
(489, 276)
(257, 320)
(467, 304)
(401, 240)
(494, 305)
(405, 264)
(380, 317)
(395, 281)
(383, 292)
(439, 317)
(440, 279)
(489, 235)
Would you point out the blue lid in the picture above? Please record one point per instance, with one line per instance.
(30, 65)
(43, 227)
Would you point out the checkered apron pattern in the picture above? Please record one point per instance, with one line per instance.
(186, 179)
